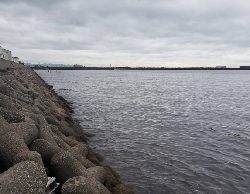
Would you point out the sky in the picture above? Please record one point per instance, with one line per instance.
(170, 33)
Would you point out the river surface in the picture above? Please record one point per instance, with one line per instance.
(166, 131)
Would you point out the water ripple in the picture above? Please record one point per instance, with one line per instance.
(166, 131)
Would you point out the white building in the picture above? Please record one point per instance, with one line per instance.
(15, 59)
(5, 54)
(1, 53)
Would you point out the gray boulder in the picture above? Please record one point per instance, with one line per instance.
(25, 177)
(27, 130)
(12, 116)
(65, 166)
(45, 148)
(71, 141)
(112, 178)
(46, 133)
(61, 143)
(122, 189)
(28, 156)
(83, 185)
(9, 103)
(66, 129)
(98, 173)
(84, 161)
(10, 145)
(52, 120)
(67, 140)
(79, 152)
(81, 149)
(3, 125)
(93, 157)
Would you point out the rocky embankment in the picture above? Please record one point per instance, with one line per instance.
(42, 149)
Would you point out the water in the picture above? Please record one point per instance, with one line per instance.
(166, 131)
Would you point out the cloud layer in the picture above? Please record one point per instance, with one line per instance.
(128, 32)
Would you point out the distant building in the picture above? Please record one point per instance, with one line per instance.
(245, 67)
(76, 65)
(5, 54)
(15, 59)
(221, 67)
(1, 53)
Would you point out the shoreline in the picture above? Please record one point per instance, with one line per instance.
(242, 68)
(42, 148)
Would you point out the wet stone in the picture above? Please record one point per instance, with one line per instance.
(98, 173)
(122, 189)
(65, 166)
(84, 161)
(83, 185)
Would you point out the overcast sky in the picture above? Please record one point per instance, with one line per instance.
(128, 32)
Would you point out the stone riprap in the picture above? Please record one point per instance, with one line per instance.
(39, 139)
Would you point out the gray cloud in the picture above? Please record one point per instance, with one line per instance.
(128, 32)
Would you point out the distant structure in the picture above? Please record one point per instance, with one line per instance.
(221, 67)
(76, 65)
(5, 54)
(245, 67)
(15, 59)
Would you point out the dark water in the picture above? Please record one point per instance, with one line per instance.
(166, 131)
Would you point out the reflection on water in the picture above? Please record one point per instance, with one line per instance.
(166, 131)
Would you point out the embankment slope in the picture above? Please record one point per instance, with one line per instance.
(39, 139)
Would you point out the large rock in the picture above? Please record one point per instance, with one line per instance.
(3, 125)
(66, 129)
(28, 156)
(25, 177)
(122, 189)
(71, 141)
(98, 173)
(46, 133)
(81, 149)
(79, 152)
(27, 130)
(56, 131)
(46, 149)
(6, 89)
(38, 103)
(83, 185)
(12, 116)
(94, 157)
(112, 178)
(9, 103)
(10, 145)
(68, 141)
(84, 161)
(52, 120)
(65, 166)
(61, 143)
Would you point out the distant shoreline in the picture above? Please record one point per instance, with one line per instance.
(136, 68)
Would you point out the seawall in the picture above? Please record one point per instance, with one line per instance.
(42, 148)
